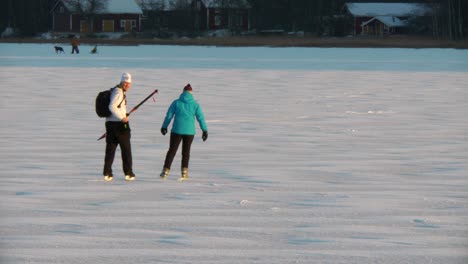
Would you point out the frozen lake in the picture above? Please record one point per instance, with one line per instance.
(313, 156)
(253, 58)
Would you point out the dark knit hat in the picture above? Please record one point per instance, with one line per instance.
(188, 88)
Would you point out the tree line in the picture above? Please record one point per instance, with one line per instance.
(448, 18)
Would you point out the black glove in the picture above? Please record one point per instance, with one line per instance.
(205, 135)
(163, 131)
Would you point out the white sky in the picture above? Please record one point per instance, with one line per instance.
(313, 156)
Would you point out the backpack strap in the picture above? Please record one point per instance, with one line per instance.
(124, 96)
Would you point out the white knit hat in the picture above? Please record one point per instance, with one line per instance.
(126, 77)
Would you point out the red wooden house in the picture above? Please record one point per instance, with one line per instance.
(198, 14)
(116, 16)
(216, 15)
(382, 18)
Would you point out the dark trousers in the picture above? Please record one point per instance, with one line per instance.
(75, 49)
(118, 133)
(174, 145)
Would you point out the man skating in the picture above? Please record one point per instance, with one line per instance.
(118, 130)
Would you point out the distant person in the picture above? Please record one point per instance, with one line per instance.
(75, 42)
(118, 130)
(184, 111)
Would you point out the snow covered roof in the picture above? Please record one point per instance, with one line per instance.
(115, 7)
(386, 9)
(123, 7)
(389, 21)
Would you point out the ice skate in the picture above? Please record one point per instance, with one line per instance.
(184, 175)
(164, 173)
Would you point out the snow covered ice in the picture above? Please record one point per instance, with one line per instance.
(314, 156)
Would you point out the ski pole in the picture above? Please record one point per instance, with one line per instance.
(134, 109)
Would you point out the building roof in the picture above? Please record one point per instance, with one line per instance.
(389, 21)
(123, 6)
(387, 9)
(115, 7)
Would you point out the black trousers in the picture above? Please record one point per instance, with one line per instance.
(118, 133)
(75, 49)
(174, 145)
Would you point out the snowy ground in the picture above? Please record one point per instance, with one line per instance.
(314, 156)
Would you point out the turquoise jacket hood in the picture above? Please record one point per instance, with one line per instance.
(184, 111)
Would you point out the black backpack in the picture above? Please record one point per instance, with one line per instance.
(103, 101)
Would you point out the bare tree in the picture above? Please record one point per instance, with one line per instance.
(460, 19)
(152, 10)
(88, 9)
(181, 4)
(448, 19)
(152, 5)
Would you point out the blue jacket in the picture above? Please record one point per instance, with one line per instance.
(184, 110)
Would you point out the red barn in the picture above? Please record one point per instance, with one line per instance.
(215, 15)
(382, 18)
(116, 16)
(198, 14)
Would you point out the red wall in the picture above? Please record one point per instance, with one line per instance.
(244, 23)
(357, 23)
(62, 22)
